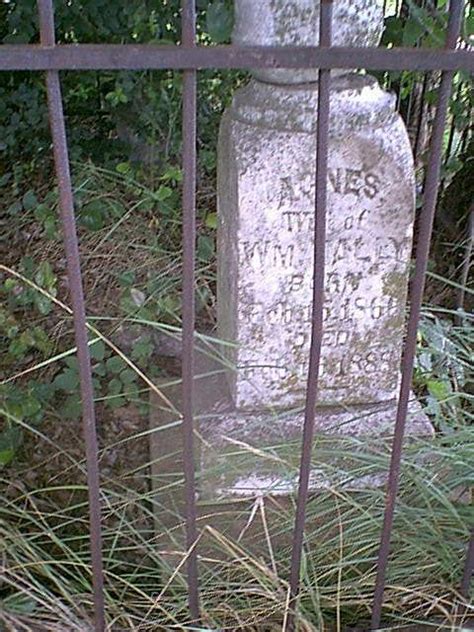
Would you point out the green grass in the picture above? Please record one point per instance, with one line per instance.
(46, 577)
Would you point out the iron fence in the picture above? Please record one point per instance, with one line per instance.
(188, 57)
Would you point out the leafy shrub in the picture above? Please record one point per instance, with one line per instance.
(444, 372)
(110, 112)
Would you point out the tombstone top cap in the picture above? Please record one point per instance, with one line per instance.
(296, 23)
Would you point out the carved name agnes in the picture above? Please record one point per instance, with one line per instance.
(357, 182)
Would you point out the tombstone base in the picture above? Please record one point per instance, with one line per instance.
(241, 447)
(238, 453)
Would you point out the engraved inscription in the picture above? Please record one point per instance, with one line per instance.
(368, 244)
(345, 181)
(266, 253)
(354, 181)
(351, 307)
(353, 304)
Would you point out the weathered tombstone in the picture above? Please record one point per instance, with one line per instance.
(254, 399)
(266, 192)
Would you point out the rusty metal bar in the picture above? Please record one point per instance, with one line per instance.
(148, 56)
(416, 298)
(61, 159)
(189, 245)
(468, 568)
(322, 136)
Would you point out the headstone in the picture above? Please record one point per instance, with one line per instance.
(266, 194)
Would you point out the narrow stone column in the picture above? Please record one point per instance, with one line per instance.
(266, 180)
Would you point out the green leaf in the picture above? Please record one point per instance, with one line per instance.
(128, 376)
(97, 350)
(15, 208)
(219, 21)
(117, 209)
(67, 381)
(45, 277)
(205, 248)
(115, 386)
(17, 347)
(72, 362)
(127, 278)
(115, 364)
(469, 25)
(164, 193)
(30, 407)
(412, 32)
(50, 227)
(211, 220)
(100, 369)
(142, 349)
(10, 441)
(425, 361)
(10, 285)
(208, 160)
(393, 32)
(28, 265)
(131, 392)
(93, 216)
(173, 174)
(6, 455)
(123, 167)
(43, 304)
(116, 402)
(41, 212)
(30, 201)
(439, 389)
(5, 178)
(72, 407)
(168, 304)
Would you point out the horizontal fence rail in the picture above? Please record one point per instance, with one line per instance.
(189, 58)
(146, 56)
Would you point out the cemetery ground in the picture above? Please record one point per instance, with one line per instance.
(130, 230)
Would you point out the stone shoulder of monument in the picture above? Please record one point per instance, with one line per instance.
(357, 102)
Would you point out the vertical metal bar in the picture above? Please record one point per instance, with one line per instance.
(416, 298)
(61, 158)
(189, 241)
(468, 568)
(317, 314)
